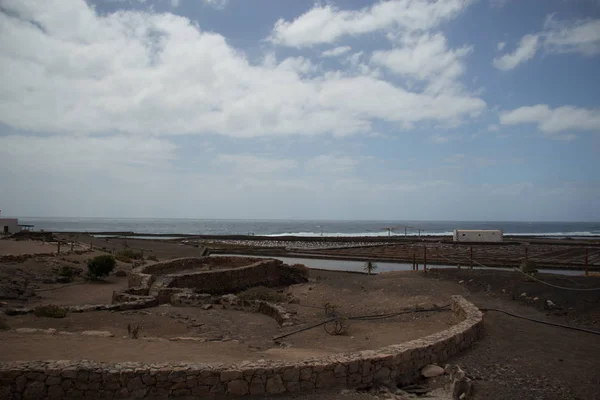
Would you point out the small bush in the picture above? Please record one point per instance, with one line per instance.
(50, 311)
(152, 257)
(262, 293)
(3, 325)
(101, 266)
(66, 272)
(128, 255)
(528, 267)
(370, 266)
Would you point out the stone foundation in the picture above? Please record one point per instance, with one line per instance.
(392, 364)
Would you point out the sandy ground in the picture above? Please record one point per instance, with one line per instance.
(248, 334)
(14, 247)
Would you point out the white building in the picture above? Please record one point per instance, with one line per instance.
(9, 225)
(488, 235)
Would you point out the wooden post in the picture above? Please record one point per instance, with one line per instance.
(586, 261)
(58, 251)
(425, 258)
(414, 260)
(471, 257)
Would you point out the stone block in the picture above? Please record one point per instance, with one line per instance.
(238, 387)
(34, 390)
(275, 385)
(55, 393)
(291, 375)
(53, 380)
(305, 374)
(228, 375)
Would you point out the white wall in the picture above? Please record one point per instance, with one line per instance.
(477, 235)
(12, 223)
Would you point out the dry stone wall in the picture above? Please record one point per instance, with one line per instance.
(396, 363)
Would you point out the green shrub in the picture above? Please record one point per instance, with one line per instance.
(66, 272)
(262, 293)
(101, 266)
(128, 255)
(528, 267)
(50, 311)
(370, 266)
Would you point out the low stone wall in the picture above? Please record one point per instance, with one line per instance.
(396, 363)
(259, 272)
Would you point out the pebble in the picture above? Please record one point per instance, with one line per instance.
(431, 371)
(97, 333)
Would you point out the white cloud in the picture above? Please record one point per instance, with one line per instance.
(426, 58)
(331, 163)
(493, 128)
(525, 51)
(218, 4)
(336, 51)
(574, 36)
(554, 120)
(579, 36)
(175, 3)
(116, 156)
(147, 73)
(500, 46)
(250, 164)
(438, 138)
(326, 24)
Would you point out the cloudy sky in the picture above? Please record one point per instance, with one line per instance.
(354, 109)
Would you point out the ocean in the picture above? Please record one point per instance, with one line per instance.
(306, 227)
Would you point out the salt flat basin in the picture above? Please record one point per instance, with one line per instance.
(359, 266)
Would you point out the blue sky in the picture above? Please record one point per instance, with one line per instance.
(404, 109)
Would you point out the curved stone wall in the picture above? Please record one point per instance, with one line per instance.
(396, 363)
(229, 275)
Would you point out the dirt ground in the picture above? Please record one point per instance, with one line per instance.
(248, 334)
(18, 247)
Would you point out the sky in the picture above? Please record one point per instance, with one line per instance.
(353, 109)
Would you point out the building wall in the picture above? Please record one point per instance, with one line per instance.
(461, 235)
(12, 223)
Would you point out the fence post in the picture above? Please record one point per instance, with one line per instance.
(586, 261)
(425, 258)
(414, 260)
(58, 250)
(471, 257)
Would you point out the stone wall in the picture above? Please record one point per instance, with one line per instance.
(244, 273)
(396, 363)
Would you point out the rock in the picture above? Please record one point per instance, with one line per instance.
(461, 281)
(187, 339)
(97, 333)
(120, 273)
(550, 304)
(207, 306)
(275, 385)
(524, 294)
(238, 387)
(536, 298)
(431, 371)
(29, 330)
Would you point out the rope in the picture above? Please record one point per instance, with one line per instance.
(556, 286)
(59, 287)
(536, 279)
(361, 318)
(542, 322)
